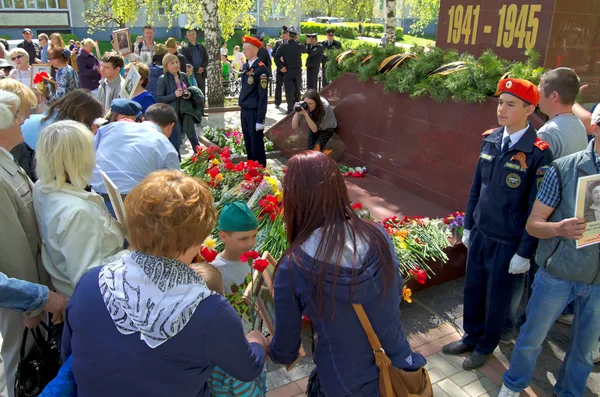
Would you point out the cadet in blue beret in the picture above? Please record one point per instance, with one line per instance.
(237, 229)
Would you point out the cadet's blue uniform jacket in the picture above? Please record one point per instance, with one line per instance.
(504, 188)
(254, 93)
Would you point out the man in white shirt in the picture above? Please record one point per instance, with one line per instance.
(146, 49)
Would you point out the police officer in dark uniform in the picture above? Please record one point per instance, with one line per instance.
(313, 61)
(263, 54)
(253, 100)
(290, 54)
(328, 44)
(279, 74)
(510, 168)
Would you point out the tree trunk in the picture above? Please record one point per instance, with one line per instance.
(390, 22)
(214, 88)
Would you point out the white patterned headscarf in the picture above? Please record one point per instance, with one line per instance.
(154, 296)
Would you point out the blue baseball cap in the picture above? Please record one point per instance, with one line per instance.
(126, 107)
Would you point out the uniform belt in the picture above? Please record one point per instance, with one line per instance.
(500, 239)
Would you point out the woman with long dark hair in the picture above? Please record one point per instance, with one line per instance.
(336, 259)
(320, 119)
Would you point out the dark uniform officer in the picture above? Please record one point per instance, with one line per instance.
(313, 61)
(263, 54)
(330, 43)
(502, 194)
(291, 52)
(253, 102)
(279, 74)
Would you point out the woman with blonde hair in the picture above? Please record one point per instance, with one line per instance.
(140, 95)
(56, 40)
(23, 153)
(170, 88)
(22, 70)
(147, 324)
(237, 58)
(77, 230)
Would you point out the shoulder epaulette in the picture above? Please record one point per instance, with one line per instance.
(488, 132)
(540, 143)
(261, 64)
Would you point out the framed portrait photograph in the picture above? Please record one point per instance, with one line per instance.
(588, 207)
(131, 82)
(122, 41)
(265, 302)
(49, 88)
(97, 49)
(115, 197)
(40, 67)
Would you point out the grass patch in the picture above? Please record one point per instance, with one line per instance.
(418, 40)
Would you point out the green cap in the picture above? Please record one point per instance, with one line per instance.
(237, 217)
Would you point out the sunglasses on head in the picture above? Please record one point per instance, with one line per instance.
(16, 57)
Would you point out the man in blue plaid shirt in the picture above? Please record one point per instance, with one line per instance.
(567, 274)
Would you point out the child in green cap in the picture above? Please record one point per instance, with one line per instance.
(237, 229)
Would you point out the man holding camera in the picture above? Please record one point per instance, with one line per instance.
(285, 36)
(290, 56)
(314, 50)
(330, 43)
(253, 100)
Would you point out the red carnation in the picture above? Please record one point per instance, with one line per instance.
(39, 77)
(356, 175)
(357, 206)
(419, 274)
(260, 264)
(208, 254)
(246, 256)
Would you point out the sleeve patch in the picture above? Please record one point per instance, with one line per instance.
(541, 144)
(542, 170)
(488, 132)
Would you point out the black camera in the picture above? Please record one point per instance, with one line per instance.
(300, 105)
(186, 94)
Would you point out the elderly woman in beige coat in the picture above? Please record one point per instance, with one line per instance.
(19, 245)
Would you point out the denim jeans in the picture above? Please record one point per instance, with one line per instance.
(550, 296)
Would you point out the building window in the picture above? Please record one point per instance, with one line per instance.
(33, 4)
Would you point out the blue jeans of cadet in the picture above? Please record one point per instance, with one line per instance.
(550, 296)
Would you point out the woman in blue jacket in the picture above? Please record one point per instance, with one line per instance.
(335, 259)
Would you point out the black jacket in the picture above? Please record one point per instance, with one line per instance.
(326, 46)
(292, 54)
(264, 57)
(33, 49)
(315, 55)
(166, 87)
(186, 51)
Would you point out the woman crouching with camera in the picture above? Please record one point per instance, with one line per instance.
(319, 117)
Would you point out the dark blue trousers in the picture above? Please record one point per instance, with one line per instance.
(253, 139)
(175, 138)
(488, 290)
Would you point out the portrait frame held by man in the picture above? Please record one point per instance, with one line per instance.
(587, 207)
(122, 41)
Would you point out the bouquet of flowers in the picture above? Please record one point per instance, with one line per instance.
(38, 81)
(354, 172)
(456, 223)
(417, 240)
(233, 138)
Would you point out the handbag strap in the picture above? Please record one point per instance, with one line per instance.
(382, 361)
(38, 338)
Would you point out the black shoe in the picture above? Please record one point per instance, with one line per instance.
(474, 361)
(456, 347)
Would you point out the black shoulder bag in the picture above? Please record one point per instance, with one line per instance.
(40, 366)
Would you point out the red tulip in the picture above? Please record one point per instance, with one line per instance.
(246, 256)
(260, 264)
(213, 172)
(357, 206)
(208, 254)
(194, 159)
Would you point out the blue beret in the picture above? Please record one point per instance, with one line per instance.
(126, 107)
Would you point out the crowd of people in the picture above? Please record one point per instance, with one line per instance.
(133, 313)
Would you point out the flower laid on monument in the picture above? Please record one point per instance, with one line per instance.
(233, 138)
(456, 223)
(354, 172)
(362, 211)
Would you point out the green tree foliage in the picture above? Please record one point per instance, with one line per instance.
(425, 12)
(100, 14)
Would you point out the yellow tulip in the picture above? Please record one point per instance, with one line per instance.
(219, 177)
(215, 162)
(210, 243)
(406, 294)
